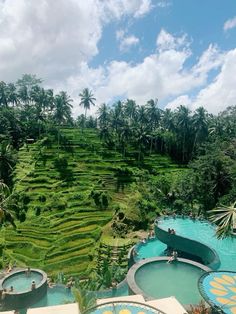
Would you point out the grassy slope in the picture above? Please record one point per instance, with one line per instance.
(63, 240)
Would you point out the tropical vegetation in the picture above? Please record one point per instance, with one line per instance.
(66, 182)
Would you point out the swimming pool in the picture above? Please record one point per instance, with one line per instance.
(56, 295)
(151, 248)
(156, 278)
(204, 232)
(22, 282)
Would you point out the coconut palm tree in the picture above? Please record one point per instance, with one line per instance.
(3, 94)
(84, 297)
(225, 219)
(87, 99)
(5, 214)
(7, 161)
(200, 126)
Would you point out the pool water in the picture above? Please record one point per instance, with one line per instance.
(22, 282)
(121, 290)
(55, 296)
(161, 279)
(205, 232)
(151, 248)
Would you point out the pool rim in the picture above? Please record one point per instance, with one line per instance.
(130, 277)
(23, 270)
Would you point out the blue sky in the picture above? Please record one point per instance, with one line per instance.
(201, 20)
(182, 52)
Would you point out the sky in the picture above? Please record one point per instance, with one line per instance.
(179, 52)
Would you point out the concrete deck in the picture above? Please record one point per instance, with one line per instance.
(7, 312)
(56, 309)
(168, 305)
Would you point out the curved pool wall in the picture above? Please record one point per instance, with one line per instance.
(18, 300)
(207, 254)
(204, 232)
(150, 248)
(134, 287)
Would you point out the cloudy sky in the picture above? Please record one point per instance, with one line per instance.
(182, 52)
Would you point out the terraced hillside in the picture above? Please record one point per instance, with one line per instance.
(55, 182)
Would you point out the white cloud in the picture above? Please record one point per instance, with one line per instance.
(53, 38)
(118, 8)
(231, 23)
(163, 4)
(166, 41)
(126, 42)
(161, 75)
(182, 100)
(217, 95)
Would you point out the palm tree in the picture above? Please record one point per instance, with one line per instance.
(62, 108)
(84, 297)
(130, 110)
(154, 113)
(225, 219)
(200, 125)
(12, 96)
(7, 161)
(3, 94)
(87, 99)
(62, 112)
(5, 214)
(103, 116)
(183, 124)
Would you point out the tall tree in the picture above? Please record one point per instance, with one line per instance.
(7, 161)
(62, 108)
(200, 126)
(86, 99)
(183, 125)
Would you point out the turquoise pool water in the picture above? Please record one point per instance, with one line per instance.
(160, 280)
(55, 296)
(205, 233)
(123, 308)
(151, 248)
(121, 290)
(22, 282)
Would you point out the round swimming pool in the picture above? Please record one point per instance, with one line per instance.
(20, 281)
(23, 293)
(156, 278)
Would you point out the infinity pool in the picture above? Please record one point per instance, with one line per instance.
(205, 233)
(22, 282)
(160, 280)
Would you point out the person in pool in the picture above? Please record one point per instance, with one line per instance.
(173, 257)
(33, 285)
(28, 272)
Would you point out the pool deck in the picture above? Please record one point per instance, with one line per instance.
(56, 309)
(168, 305)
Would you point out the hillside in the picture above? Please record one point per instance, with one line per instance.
(61, 185)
